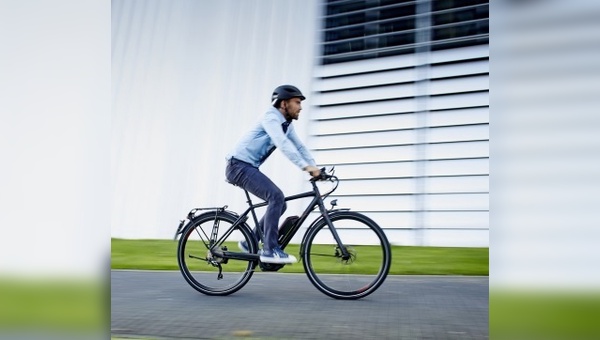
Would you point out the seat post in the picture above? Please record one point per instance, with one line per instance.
(249, 201)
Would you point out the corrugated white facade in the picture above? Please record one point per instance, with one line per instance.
(408, 134)
(411, 141)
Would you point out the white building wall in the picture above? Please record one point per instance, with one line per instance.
(189, 78)
(408, 134)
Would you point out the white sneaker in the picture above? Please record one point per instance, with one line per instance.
(276, 256)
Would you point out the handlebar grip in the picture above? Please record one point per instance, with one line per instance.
(323, 176)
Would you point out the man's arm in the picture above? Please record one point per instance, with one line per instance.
(273, 128)
(303, 150)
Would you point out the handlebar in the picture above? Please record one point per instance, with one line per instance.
(324, 176)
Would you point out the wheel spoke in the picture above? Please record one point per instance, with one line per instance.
(197, 258)
(324, 255)
(212, 273)
(353, 277)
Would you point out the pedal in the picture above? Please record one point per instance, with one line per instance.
(270, 267)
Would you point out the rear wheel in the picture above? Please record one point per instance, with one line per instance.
(347, 277)
(204, 270)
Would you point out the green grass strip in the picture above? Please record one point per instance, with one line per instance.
(53, 305)
(162, 255)
(543, 314)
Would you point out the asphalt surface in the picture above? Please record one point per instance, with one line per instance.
(161, 305)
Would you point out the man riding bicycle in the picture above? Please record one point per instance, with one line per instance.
(273, 130)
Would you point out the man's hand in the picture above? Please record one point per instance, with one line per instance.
(313, 171)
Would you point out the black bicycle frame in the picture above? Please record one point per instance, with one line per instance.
(316, 202)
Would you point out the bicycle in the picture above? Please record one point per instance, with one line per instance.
(345, 254)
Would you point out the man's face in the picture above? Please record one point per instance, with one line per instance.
(293, 107)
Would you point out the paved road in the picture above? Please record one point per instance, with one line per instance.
(161, 305)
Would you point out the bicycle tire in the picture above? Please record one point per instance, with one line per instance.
(198, 265)
(352, 278)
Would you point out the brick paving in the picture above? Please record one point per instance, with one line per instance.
(161, 305)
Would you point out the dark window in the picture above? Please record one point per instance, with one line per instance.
(344, 7)
(439, 5)
(345, 20)
(356, 30)
(473, 13)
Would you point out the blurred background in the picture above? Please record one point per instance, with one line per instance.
(116, 118)
(397, 100)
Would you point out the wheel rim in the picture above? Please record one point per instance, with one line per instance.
(200, 267)
(353, 277)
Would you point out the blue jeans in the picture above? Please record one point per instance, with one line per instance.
(255, 182)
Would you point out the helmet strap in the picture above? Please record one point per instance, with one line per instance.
(286, 114)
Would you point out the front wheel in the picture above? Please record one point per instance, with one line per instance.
(359, 273)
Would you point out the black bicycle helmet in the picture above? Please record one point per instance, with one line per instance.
(284, 92)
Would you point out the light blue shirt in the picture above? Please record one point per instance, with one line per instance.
(265, 136)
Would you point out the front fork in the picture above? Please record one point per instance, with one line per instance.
(345, 254)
